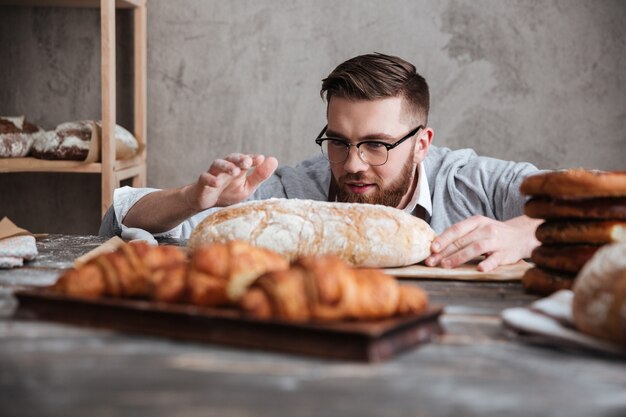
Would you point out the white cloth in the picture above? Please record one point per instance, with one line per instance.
(132, 234)
(549, 322)
(13, 250)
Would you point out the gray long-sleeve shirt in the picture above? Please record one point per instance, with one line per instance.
(461, 183)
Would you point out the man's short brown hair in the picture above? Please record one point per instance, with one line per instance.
(375, 76)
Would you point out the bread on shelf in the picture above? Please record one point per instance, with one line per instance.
(76, 140)
(17, 136)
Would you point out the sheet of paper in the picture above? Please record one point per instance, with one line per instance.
(107, 247)
(9, 229)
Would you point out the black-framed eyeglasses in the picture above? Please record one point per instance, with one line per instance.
(373, 152)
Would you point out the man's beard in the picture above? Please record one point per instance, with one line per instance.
(390, 196)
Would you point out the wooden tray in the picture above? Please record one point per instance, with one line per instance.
(465, 272)
(360, 341)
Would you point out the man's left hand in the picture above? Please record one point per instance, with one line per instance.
(501, 242)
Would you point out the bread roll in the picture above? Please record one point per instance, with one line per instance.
(613, 208)
(542, 281)
(584, 231)
(361, 234)
(126, 145)
(578, 183)
(565, 258)
(72, 140)
(599, 306)
(17, 136)
(69, 141)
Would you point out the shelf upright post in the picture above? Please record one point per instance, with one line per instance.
(140, 99)
(108, 80)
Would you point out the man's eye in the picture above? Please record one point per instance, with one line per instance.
(374, 146)
(336, 143)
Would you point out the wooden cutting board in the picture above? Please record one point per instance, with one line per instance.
(369, 341)
(465, 272)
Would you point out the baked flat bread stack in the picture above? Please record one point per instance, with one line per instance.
(584, 210)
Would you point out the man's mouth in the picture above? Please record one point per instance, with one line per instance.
(359, 187)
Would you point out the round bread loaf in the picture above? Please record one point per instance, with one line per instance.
(126, 144)
(69, 141)
(544, 281)
(599, 306)
(72, 140)
(364, 235)
(578, 183)
(16, 136)
(592, 208)
(569, 232)
(567, 258)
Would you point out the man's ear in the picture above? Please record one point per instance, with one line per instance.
(424, 138)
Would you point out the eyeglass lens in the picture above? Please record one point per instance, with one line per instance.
(371, 153)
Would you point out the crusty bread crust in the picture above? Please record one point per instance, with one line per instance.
(566, 258)
(569, 232)
(544, 282)
(592, 208)
(599, 306)
(578, 183)
(364, 235)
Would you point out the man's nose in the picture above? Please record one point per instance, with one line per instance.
(354, 163)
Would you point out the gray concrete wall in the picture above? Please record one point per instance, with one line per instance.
(539, 81)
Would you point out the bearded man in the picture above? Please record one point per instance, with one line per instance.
(376, 148)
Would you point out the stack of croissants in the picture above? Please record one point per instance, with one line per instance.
(260, 282)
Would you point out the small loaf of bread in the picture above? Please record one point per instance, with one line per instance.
(17, 136)
(363, 235)
(599, 306)
(72, 141)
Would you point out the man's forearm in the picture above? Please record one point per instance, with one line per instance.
(160, 211)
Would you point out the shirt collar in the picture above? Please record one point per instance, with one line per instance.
(421, 195)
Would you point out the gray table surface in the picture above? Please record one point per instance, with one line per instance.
(474, 369)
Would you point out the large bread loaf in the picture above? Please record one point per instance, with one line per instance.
(364, 235)
(599, 306)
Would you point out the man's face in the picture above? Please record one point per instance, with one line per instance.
(356, 120)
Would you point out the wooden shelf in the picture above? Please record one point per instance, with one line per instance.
(120, 4)
(30, 164)
(112, 171)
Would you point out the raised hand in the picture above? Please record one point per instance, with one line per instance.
(229, 181)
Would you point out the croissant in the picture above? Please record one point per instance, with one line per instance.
(326, 288)
(221, 272)
(131, 271)
(217, 274)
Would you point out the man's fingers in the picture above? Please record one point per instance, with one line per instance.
(490, 263)
(213, 181)
(243, 161)
(222, 166)
(464, 255)
(262, 172)
(454, 233)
